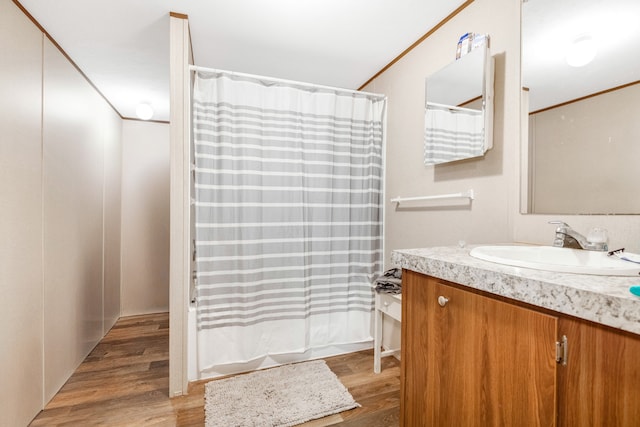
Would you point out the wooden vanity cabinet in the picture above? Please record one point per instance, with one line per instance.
(475, 360)
(470, 360)
(600, 384)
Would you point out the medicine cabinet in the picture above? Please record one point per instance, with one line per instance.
(459, 109)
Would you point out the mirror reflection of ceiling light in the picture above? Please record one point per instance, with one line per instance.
(144, 111)
(581, 52)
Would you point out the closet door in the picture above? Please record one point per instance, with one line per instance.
(73, 180)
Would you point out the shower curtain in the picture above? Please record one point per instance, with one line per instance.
(288, 215)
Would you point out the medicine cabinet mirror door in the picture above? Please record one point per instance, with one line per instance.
(580, 123)
(459, 109)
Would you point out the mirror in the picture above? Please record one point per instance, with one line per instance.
(581, 122)
(459, 109)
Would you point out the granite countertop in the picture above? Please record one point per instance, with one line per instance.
(601, 299)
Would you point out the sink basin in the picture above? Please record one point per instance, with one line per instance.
(563, 260)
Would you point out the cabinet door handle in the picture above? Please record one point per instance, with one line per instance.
(442, 301)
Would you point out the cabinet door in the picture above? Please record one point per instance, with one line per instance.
(471, 360)
(600, 384)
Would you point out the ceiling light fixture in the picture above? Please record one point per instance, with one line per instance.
(144, 111)
(581, 52)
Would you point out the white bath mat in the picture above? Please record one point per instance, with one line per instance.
(284, 396)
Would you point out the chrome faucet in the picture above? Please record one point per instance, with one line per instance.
(567, 237)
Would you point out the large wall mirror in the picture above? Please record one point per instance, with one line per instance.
(459, 109)
(581, 75)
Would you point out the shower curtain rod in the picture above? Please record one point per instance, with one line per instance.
(285, 81)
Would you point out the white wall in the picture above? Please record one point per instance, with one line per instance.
(495, 214)
(113, 146)
(21, 302)
(493, 177)
(73, 185)
(60, 154)
(624, 230)
(145, 217)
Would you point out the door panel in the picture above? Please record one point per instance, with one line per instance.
(474, 360)
(601, 380)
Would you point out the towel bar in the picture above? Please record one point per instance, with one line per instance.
(464, 195)
(452, 108)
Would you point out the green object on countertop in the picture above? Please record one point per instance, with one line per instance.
(635, 290)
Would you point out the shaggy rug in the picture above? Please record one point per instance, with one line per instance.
(284, 396)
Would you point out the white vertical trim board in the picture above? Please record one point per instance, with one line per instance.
(179, 206)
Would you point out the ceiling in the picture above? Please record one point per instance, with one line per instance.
(122, 46)
(549, 27)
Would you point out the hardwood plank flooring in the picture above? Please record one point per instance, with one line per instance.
(125, 382)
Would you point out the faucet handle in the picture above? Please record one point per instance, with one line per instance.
(598, 239)
(559, 240)
(560, 223)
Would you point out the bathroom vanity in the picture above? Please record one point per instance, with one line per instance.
(485, 344)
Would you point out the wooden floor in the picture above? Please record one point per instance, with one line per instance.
(125, 381)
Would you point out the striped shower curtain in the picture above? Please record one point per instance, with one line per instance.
(288, 217)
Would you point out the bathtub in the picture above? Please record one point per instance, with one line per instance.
(261, 363)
